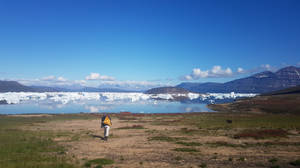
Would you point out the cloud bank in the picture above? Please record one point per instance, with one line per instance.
(92, 80)
(216, 72)
(97, 76)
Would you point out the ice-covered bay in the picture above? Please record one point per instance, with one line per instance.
(56, 102)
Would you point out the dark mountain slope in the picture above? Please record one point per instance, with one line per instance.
(170, 90)
(292, 90)
(13, 86)
(282, 101)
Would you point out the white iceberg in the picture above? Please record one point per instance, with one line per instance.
(66, 97)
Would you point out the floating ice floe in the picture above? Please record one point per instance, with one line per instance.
(66, 97)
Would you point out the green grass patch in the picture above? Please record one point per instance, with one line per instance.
(100, 162)
(295, 163)
(28, 149)
(274, 166)
(203, 165)
(151, 131)
(223, 144)
(189, 143)
(273, 160)
(186, 150)
(219, 120)
(166, 138)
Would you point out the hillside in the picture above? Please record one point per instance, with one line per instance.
(170, 90)
(13, 86)
(292, 90)
(283, 101)
(263, 82)
(48, 89)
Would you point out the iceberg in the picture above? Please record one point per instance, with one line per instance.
(66, 97)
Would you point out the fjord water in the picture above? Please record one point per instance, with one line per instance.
(149, 106)
(76, 102)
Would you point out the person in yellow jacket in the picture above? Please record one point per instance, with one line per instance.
(106, 123)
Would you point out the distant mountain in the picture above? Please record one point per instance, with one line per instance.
(13, 86)
(49, 89)
(258, 83)
(170, 90)
(201, 87)
(92, 89)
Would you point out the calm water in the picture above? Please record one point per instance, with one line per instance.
(96, 106)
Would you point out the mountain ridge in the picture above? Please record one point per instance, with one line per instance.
(262, 82)
(171, 90)
(14, 86)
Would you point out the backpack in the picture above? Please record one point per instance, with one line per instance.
(107, 121)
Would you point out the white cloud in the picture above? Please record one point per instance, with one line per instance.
(197, 73)
(267, 67)
(187, 77)
(81, 82)
(97, 76)
(53, 78)
(93, 76)
(107, 78)
(240, 70)
(130, 85)
(46, 81)
(99, 81)
(61, 79)
(48, 78)
(215, 72)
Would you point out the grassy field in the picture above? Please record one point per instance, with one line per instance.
(175, 140)
(27, 148)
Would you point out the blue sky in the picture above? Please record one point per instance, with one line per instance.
(145, 42)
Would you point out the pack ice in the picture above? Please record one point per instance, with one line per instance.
(66, 97)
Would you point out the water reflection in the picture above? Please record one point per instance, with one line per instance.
(94, 108)
(76, 106)
(194, 109)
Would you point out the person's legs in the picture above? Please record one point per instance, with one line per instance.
(106, 132)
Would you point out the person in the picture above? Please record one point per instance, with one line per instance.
(106, 123)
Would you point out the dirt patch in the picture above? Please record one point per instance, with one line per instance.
(31, 115)
(262, 134)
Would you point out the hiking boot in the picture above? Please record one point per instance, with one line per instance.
(105, 138)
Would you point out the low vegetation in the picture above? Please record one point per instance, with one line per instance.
(98, 163)
(27, 149)
(166, 138)
(189, 143)
(179, 140)
(133, 127)
(186, 150)
(272, 104)
(295, 163)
